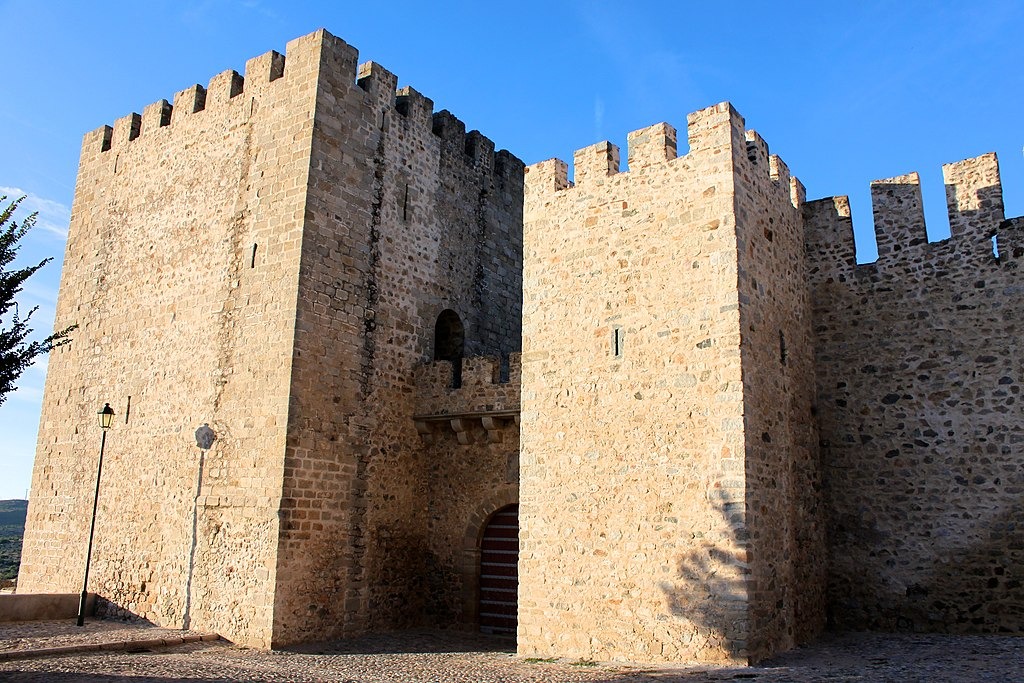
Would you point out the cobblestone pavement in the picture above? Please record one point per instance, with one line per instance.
(439, 657)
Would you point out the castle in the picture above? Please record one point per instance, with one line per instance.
(658, 414)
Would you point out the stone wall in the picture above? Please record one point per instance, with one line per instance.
(407, 215)
(641, 481)
(784, 515)
(919, 375)
(181, 269)
(268, 256)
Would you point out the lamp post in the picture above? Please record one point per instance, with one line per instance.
(106, 419)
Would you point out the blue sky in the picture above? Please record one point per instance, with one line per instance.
(844, 92)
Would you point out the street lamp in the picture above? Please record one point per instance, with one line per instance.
(106, 418)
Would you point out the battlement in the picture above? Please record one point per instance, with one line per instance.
(481, 403)
(481, 389)
(304, 57)
(223, 88)
(709, 132)
(974, 200)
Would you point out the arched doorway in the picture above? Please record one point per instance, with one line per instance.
(499, 572)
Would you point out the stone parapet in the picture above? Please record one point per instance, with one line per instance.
(918, 378)
(481, 399)
(977, 228)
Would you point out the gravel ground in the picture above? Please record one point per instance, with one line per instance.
(437, 657)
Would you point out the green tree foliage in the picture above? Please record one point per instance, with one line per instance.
(16, 351)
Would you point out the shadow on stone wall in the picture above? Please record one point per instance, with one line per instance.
(110, 610)
(711, 590)
(976, 588)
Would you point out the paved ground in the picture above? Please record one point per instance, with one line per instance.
(440, 657)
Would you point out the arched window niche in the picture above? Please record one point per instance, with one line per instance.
(449, 342)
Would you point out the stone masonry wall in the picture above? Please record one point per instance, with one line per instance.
(784, 513)
(407, 215)
(473, 471)
(181, 270)
(667, 349)
(632, 403)
(919, 375)
(280, 247)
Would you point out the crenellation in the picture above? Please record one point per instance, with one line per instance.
(98, 140)
(828, 231)
(480, 151)
(379, 84)
(415, 107)
(778, 170)
(156, 115)
(1010, 239)
(594, 163)
(434, 378)
(975, 203)
(264, 69)
(797, 192)
(509, 169)
(449, 128)
(974, 198)
(223, 87)
(321, 53)
(757, 149)
(189, 101)
(480, 371)
(711, 130)
(652, 145)
(714, 128)
(899, 216)
(480, 392)
(126, 129)
(546, 177)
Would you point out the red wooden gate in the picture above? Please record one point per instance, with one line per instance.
(499, 572)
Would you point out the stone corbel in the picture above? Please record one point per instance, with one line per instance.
(493, 426)
(463, 430)
(426, 431)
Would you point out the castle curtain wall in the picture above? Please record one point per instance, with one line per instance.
(919, 373)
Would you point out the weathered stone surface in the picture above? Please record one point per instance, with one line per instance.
(669, 472)
(919, 373)
(267, 258)
(305, 294)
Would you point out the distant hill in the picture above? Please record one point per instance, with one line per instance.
(13, 512)
(12, 528)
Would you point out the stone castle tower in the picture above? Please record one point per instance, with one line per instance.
(721, 430)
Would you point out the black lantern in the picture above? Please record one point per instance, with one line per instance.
(106, 416)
